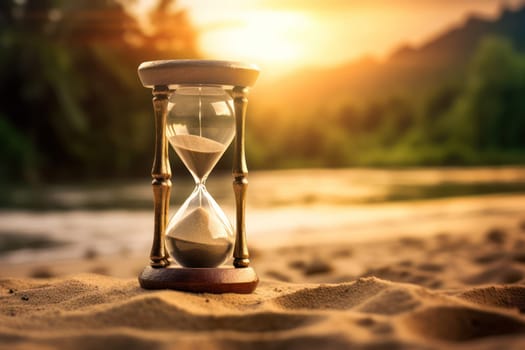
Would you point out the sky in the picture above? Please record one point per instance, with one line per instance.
(285, 35)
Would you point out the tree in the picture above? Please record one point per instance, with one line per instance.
(491, 110)
(70, 85)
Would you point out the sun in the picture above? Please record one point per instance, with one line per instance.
(276, 40)
(265, 37)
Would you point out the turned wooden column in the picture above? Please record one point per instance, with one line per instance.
(241, 256)
(161, 174)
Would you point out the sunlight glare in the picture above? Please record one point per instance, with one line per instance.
(285, 35)
(263, 36)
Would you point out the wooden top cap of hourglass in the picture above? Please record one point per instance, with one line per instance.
(184, 72)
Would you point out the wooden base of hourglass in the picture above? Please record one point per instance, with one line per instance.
(200, 280)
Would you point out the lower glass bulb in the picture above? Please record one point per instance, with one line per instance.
(199, 235)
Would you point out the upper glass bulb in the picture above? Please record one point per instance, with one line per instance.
(200, 126)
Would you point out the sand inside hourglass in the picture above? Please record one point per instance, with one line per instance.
(191, 240)
(199, 154)
(200, 249)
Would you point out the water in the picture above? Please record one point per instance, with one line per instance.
(282, 207)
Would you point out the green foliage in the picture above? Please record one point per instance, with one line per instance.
(476, 120)
(492, 101)
(17, 152)
(72, 101)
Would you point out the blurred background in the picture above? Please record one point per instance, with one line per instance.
(359, 103)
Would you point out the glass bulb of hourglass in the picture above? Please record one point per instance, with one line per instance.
(200, 127)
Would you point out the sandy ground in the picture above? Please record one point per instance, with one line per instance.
(462, 287)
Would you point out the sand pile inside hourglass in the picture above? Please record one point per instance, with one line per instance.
(199, 154)
(199, 248)
(199, 238)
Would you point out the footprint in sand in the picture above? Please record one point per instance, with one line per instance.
(501, 274)
(519, 257)
(375, 327)
(315, 266)
(490, 257)
(430, 267)
(279, 276)
(458, 323)
(496, 236)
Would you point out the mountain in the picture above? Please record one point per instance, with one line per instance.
(409, 69)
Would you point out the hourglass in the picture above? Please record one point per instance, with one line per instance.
(200, 107)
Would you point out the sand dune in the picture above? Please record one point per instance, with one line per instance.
(446, 291)
(92, 311)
